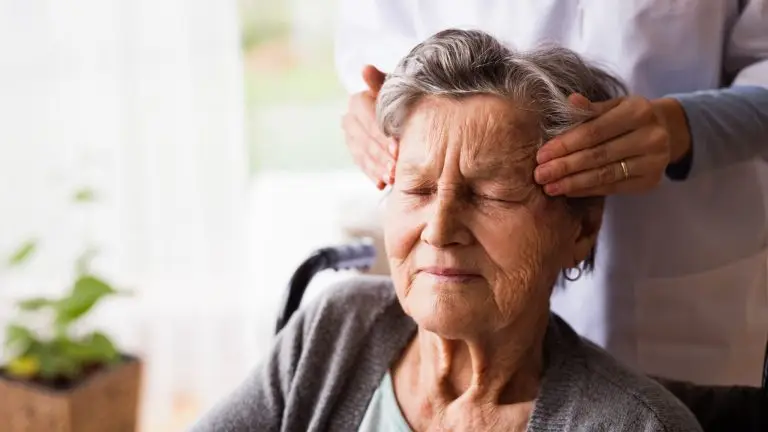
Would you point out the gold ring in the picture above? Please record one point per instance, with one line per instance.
(625, 170)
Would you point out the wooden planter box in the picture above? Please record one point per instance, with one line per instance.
(107, 400)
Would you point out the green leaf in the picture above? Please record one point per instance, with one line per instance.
(103, 348)
(95, 348)
(18, 338)
(40, 352)
(84, 195)
(87, 291)
(36, 303)
(53, 360)
(23, 253)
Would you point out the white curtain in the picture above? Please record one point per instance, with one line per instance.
(141, 100)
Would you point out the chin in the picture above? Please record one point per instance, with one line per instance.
(451, 316)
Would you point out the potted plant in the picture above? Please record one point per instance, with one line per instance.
(58, 377)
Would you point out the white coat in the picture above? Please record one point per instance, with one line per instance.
(680, 287)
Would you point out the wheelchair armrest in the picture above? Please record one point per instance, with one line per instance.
(357, 256)
(723, 408)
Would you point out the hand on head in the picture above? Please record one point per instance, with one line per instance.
(371, 150)
(623, 148)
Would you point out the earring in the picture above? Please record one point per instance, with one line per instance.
(569, 276)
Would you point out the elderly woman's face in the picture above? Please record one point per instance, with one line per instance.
(471, 241)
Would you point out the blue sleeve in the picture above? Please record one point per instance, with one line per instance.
(727, 126)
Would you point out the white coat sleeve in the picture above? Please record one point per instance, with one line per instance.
(746, 53)
(375, 32)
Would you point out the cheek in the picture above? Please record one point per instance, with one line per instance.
(402, 231)
(524, 244)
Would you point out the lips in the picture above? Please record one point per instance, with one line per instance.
(449, 272)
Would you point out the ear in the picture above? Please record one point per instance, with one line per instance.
(585, 238)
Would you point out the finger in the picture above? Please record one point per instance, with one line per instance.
(602, 176)
(394, 148)
(373, 78)
(580, 101)
(645, 172)
(376, 168)
(380, 161)
(365, 150)
(631, 186)
(370, 168)
(612, 123)
(636, 143)
(394, 151)
(628, 186)
(375, 150)
(595, 108)
(367, 117)
(365, 163)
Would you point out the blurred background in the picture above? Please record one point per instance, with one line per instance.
(209, 134)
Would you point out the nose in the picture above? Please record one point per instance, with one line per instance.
(445, 226)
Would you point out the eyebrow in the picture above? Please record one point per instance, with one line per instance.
(521, 168)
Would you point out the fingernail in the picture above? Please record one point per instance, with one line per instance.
(552, 189)
(543, 174)
(543, 155)
(392, 148)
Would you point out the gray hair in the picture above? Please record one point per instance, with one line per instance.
(458, 63)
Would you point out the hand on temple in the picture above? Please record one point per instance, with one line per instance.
(624, 148)
(371, 150)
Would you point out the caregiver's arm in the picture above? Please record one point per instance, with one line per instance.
(726, 126)
(631, 142)
(729, 125)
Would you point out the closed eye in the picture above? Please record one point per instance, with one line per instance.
(419, 191)
(493, 198)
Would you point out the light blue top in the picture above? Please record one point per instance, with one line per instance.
(728, 125)
(383, 413)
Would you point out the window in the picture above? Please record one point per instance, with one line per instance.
(294, 99)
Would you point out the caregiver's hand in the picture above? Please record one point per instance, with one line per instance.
(370, 149)
(624, 148)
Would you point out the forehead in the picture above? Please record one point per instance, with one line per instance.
(483, 132)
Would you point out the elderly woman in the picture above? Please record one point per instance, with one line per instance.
(462, 337)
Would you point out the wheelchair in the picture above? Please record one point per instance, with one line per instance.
(718, 408)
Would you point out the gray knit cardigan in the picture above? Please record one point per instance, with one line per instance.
(328, 361)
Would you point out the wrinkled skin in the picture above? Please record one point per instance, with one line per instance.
(475, 247)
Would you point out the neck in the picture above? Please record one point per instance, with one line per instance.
(499, 368)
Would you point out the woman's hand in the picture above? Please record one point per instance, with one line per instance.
(370, 149)
(625, 148)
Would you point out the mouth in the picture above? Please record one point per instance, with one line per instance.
(450, 274)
